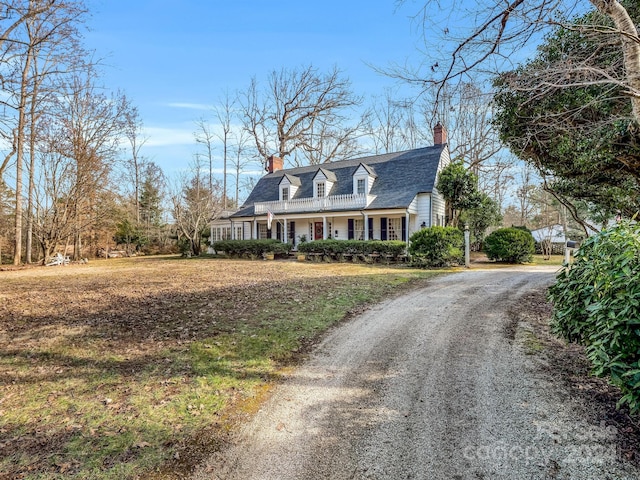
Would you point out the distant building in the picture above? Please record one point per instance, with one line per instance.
(553, 233)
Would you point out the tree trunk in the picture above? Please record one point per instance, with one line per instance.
(630, 47)
(17, 254)
(32, 149)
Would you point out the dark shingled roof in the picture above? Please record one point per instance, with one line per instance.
(400, 177)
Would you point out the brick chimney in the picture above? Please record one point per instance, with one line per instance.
(274, 164)
(439, 134)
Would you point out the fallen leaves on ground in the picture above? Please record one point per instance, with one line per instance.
(96, 361)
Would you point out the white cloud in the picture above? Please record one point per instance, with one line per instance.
(160, 136)
(190, 106)
(253, 172)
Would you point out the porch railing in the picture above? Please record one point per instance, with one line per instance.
(333, 202)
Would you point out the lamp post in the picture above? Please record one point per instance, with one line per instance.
(467, 261)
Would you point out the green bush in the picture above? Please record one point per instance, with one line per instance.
(337, 248)
(597, 304)
(437, 247)
(511, 245)
(251, 248)
(324, 247)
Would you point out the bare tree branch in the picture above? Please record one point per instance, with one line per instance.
(299, 113)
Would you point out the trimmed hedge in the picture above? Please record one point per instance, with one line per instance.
(251, 248)
(596, 303)
(511, 245)
(336, 248)
(437, 247)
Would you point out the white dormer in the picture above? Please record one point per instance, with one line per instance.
(363, 179)
(288, 187)
(323, 182)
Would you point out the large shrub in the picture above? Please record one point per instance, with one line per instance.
(597, 304)
(251, 248)
(511, 245)
(437, 246)
(336, 248)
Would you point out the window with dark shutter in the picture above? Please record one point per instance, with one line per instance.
(292, 233)
(350, 229)
(383, 228)
(404, 229)
(370, 228)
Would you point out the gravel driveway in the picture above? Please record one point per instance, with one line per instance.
(425, 386)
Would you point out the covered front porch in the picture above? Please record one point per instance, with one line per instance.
(396, 224)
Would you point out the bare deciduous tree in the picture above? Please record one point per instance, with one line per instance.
(495, 177)
(136, 163)
(13, 16)
(56, 194)
(487, 37)
(152, 194)
(239, 160)
(224, 115)
(204, 136)
(525, 192)
(467, 113)
(300, 117)
(391, 124)
(90, 125)
(6, 215)
(194, 207)
(39, 42)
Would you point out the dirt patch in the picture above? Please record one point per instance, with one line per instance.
(567, 363)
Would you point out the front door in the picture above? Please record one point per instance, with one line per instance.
(317, 231)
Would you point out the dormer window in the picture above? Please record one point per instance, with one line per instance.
(363, 179)
(323, 182)
(288, 187)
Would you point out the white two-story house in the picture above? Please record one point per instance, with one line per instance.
(381, 197)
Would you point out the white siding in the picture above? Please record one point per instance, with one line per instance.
(445, 158)
(413, 206)
(423, 202)
(438, 207)
(340, 224)
(438, 212)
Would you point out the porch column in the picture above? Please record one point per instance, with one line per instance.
(407, 227)
(254, 232)
(366, 226)
(285, 237)
(324, 228)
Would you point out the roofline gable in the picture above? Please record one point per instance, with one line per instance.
(328, 174)
(292, 179)
(368, 169)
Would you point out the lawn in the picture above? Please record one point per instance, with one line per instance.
(137, 368)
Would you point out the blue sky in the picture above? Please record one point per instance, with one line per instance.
(174, 59)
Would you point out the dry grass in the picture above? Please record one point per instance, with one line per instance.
(135, 368)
